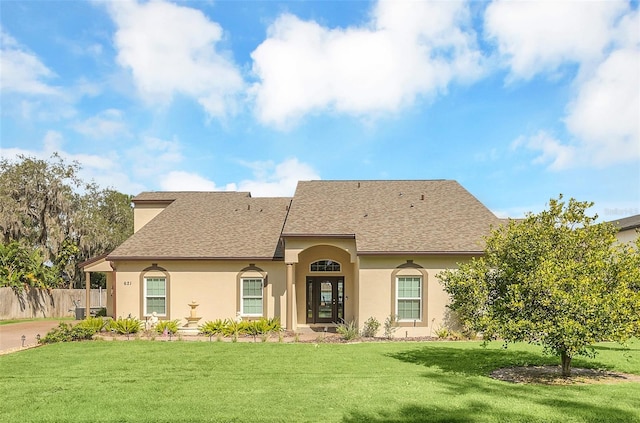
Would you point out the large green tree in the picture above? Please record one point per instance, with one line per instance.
(45, 206)
(557, 279)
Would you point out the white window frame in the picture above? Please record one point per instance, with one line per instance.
(146, 295)
(243, 296)
(399, 298)
(326, 271)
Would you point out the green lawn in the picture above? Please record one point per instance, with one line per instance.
(35, 319)
(145, 381)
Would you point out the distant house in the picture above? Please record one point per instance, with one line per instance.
(628, 228)
(336, 251)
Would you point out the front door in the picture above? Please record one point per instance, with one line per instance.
(325, 299)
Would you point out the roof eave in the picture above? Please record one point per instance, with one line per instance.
(420, 253)
(344, 236)
(147, 258)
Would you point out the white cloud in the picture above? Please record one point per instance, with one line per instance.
(152, 155)
(601, 119)
(105, 169)
(170, 50)
(186, 181)
(407, 50)
(271, 180)
(541, 36)
(22, 71)
(605, 115)
(105, 124)
(552, 151)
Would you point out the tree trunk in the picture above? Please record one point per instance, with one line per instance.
(566, 364)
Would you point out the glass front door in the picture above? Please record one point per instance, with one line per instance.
(325, 299)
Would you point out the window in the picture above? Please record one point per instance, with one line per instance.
(325, 266)
(251, 302)
(409, 298)
(155, 297)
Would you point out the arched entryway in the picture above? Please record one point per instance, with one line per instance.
(324, 284)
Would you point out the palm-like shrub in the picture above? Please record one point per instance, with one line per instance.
(213, 328)
(97, 324)
(349, 330)
(171, 326)
(125, 326)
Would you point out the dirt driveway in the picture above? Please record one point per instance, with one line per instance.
(11, 334)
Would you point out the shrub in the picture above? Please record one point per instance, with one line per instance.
(125, 326)
(102, 312)
(233, 328)
(67, 333)
(442, 333)
(98, 324)
(349, 330)
(370, 327)
(213, 328)
(390, 326)
(170, 325)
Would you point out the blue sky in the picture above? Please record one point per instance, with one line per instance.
(519, 102)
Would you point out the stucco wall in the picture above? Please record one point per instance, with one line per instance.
(212, 284)
(630, 235)
(376, 290)
(144, 212)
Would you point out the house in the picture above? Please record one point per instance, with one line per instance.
(628, 228)
(336, 251)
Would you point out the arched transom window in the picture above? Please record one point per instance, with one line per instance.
(325, 266)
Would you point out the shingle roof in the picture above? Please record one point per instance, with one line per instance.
(627, 223)
(392, 216)
(200, 225)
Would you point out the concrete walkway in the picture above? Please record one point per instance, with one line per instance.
(11, 334)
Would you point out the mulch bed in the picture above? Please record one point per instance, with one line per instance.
(552, 375)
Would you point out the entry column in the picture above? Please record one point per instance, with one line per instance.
(289, 320)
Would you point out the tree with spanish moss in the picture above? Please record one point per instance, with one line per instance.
(50, 212)
(556, 279)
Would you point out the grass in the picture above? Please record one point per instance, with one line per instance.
(129, 381)
(35, 319)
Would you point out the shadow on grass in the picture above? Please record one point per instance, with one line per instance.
(474, 397)
(475, 411)
(480, 361)
(616, 347)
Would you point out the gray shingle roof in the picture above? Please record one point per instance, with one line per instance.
(202, 225)
(392, 216)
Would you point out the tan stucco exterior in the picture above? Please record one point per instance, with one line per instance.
(204, 244)
(144, 212)
(215, 285)
(369, 285)
(628, 235)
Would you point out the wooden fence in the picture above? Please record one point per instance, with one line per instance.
(42, 303)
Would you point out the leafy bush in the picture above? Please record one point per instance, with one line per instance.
(349, 330)
(67, 333)
(102, 312)
(98, 324)
(390, 326)
(125, 326)
(370, 327)
(170, 325)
